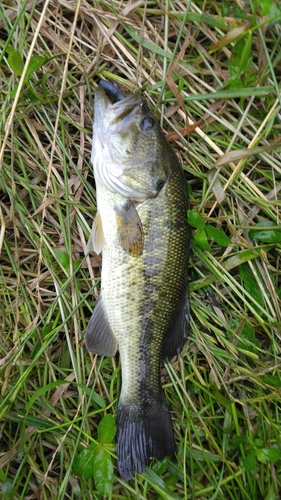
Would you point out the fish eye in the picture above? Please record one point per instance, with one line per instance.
(147, 124)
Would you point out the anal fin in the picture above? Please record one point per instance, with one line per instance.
(99, 337)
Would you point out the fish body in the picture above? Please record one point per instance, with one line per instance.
(143, 309)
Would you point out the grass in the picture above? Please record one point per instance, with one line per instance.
(211, 71)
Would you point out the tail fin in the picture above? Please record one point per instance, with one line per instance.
(143, 433)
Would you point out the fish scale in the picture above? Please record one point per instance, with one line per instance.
(143, 309)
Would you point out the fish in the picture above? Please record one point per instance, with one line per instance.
(141, 229)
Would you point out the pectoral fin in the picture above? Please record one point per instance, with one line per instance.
(100, 338)
(129, 229)
(96, 240)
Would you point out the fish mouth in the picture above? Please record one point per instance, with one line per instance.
(112, 91)
(115, 115)
(124, 108)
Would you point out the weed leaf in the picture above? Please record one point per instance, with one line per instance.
(107, 429)
(36, 62)
(217, 235)
(266, 231)
(103, 471)
(15, 61)
(194, 220)
(83, 464)
(200, 238)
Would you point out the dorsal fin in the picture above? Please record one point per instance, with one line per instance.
(96, 240)
(176, 335)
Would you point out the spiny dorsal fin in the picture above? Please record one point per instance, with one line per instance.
(129, 229)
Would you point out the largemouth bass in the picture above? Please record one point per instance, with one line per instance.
(141, 229)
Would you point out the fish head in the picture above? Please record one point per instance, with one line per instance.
(130, 153)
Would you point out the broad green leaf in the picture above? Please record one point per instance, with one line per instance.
(261, 456)
(200, 238)
(217, 235)
(171, 480)
(107, 429)
(266, 231)
(250, 283)
(15, 61)
(160, 466)
(258, 443)
(272, 380)
(266, 6)
(235, 84)
(250, 460)
(270, 8)
(272, 454)
(76, 264)
(62, 258)
(194, 220)
(83, 464)
(103, 471)
(251, 80)
(36, 62)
